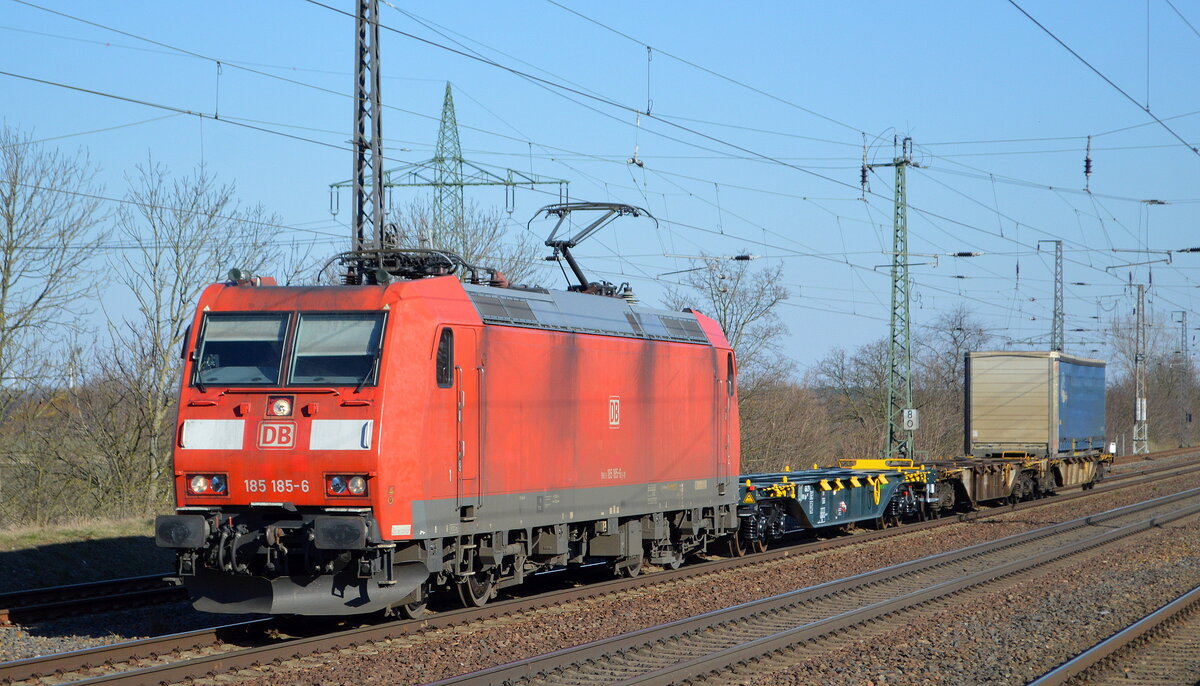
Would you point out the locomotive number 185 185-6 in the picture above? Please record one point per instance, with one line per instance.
(275, 485)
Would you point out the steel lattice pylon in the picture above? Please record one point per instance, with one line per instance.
(449, 175)
(448, 203)
(899, 438)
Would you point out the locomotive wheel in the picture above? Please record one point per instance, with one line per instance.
(632, 568)
(476, 590)
(416, 610)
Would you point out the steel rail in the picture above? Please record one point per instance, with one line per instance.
(1173, 452)
(1113, 645)
(74, 599)
(132, 650)
(85, 658)
(659, 639)
(224, 662)
(39, 603)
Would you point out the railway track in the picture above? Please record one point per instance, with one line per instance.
(221, 649)
(1173, 452)
(1162, 647)
(38, 604)
(709, 646)
(58, 601)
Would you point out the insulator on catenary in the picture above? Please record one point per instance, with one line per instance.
(1087, 164)
(862, 178)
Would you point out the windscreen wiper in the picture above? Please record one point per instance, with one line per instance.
(370, 370)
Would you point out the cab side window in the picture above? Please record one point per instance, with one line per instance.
(444, 364)
(729, 378)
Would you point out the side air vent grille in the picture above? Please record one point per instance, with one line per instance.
(581, 313)
(493, 308)
(685, 329)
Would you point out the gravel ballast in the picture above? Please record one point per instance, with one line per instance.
(1016, 634)
(442, 653)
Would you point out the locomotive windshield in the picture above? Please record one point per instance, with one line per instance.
(337, 349)
(241, 349)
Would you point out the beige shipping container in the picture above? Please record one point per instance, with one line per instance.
(1039, 403)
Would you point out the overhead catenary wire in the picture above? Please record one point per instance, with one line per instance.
(710, 71)
(663, 172)
(1130, 98)
(575, 91)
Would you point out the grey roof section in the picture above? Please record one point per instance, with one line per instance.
(1048, 354)
(582, 313)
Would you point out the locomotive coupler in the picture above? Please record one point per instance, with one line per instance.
(388, 554)
(377, 559)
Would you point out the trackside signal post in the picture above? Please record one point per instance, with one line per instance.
(902, 418)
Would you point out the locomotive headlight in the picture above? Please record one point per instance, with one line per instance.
(279, 406)
(208, 484)
(348, 485)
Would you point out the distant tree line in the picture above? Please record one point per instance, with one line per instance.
(87, 412)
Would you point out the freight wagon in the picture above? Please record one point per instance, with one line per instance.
(1034, 423)
(1035, 404)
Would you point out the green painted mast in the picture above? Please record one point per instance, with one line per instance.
(901, 417)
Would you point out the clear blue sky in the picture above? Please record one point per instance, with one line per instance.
(999, 113)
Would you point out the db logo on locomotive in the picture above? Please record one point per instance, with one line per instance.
(276, 434)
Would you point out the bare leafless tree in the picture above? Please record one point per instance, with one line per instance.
(50, 230)
(785, 425)
(50, 218)
(743, 301)
(1172, 386)
(854, 386)
(184, 233)
(939, 377)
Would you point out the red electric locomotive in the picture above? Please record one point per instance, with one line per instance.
(353, 448)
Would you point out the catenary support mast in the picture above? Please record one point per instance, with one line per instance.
(1185, 376)
(367, 226)
(1057, 341)
(901, 416)
(1141, 431)
(1057, 338)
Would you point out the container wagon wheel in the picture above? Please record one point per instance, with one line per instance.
(476, 590)
(752, 534)
(733, 545)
